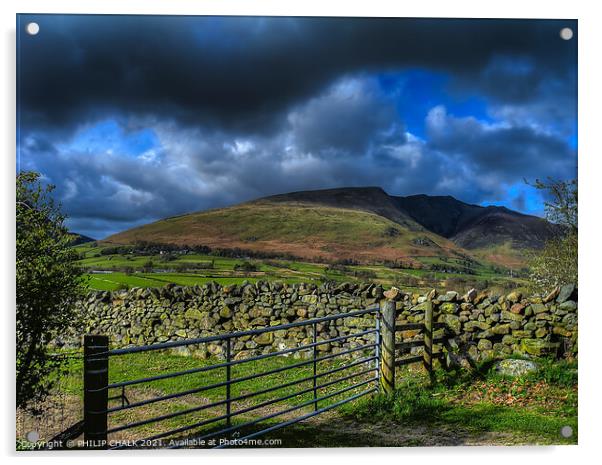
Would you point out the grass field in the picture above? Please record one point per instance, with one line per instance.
(529, 409)
(106, 272)
(293, 380)
(113, 281)
(459, 408)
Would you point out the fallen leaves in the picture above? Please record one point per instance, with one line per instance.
(517, 392)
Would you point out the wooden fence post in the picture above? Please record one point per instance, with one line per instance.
(387, 347)
(96, 393)
(428, 337)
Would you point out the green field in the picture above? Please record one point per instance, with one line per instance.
(532, 408)
(127, 270)
(114, 281)
(291, 382)
(456, 407)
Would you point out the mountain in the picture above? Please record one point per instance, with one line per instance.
(364, 224)
(370, 199)
(474, 226)
(361, 224)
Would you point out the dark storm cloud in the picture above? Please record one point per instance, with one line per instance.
(345, 121)
(140, 118)
(244, 72)
(200, 168)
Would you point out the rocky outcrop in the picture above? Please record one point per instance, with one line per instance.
(480, 325)
(515, 367)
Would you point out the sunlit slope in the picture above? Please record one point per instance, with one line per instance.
(306, 230)
(359, 223)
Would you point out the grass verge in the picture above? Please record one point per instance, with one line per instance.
(534, 407)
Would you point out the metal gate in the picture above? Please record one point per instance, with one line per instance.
(364, 361)
(336, 377)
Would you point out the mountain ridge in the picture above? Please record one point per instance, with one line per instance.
(371, 198)
(475, 226)
(360, 223)
(468, 225)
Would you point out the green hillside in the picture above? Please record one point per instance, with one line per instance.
(332, 235)
(305, 230)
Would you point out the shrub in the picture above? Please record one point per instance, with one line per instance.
(148, 266)
(246, 266)
(48, 285)
(365, 274)
(556, 264)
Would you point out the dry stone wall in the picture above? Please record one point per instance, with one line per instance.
(480, 325)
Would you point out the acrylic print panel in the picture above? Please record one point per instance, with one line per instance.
(260, 232)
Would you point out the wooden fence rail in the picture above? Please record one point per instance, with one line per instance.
(389, 345)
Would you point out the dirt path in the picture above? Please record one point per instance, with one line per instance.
(329, 429)
(333, 428)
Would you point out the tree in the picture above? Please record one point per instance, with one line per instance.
(562, 207)
(147, 266)
(48, 284)
(556, 263)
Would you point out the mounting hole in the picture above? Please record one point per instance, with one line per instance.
(32, 436)
(32, 28)
(566, 431)
(566, 33)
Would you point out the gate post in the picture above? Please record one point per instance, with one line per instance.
(96, 392)
(387, 347)
(428, 338)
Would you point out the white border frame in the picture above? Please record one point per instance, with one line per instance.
(590, 78)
